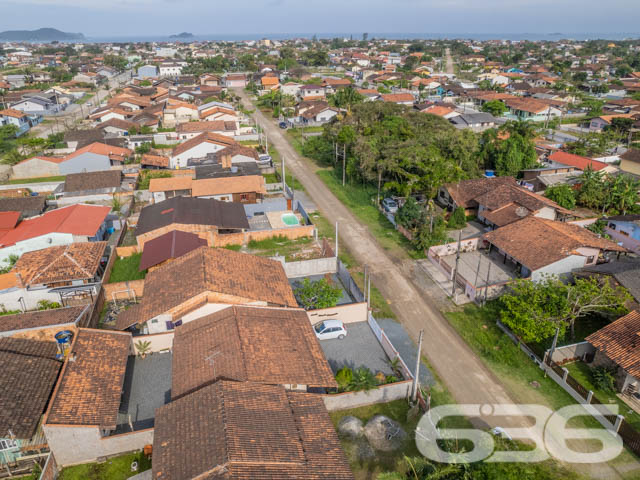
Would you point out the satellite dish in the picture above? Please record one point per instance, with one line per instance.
(522, 212)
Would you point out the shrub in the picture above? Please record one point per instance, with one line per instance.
(318, 294)
(457, 219)
(47, 305)
(363, 379)
(604, 378)
(344, 377)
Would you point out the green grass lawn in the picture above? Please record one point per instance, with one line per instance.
(19, 181)
(85, 98)
(126, 269)
(117, 468)
(361, 201)
(513, 367)
(277, 163)
(582, 373)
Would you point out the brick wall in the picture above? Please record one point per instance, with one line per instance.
(123, 290)
(127, 251)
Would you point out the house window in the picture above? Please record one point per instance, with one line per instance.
(7, 444)
(243, 197)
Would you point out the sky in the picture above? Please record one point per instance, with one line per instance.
(165, 17)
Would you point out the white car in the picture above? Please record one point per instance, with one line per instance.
(330, 329)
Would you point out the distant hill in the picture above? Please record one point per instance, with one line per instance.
(41, 34)
(182, 35)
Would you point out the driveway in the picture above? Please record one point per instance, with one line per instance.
(360, 348)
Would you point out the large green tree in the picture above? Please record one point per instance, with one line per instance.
(533, 310)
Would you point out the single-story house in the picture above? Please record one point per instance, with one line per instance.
(208, 218)
(233, 80)
(63, 226)
(624, 272)
(198, 147)
(625, 230)
(598, 124)
(539, 247)
(477, 122)
(202, 282)
(399, 98)
(617, 345)
(11, 116)
(258, 431)
(43, 324)
(30, 371)
(464, 193)
(92, 183)
(246, 354)
(579, 162)
(154, 162)
(165, 248)
(189, 130)
(82, 416)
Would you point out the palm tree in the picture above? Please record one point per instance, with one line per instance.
(347, 97)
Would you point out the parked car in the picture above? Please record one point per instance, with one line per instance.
(283, 125)
(329, 329)
(390, 205)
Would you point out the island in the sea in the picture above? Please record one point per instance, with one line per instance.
(39, 35)
(182, 35)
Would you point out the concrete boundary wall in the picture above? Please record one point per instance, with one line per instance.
(381, 394)
(350, 313)
(569, 353)
(304, 268)
(159, 342)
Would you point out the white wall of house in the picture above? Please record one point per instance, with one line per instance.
(109, 115)
(198, 151)
(36, 243)
(22, 298)
(559, 268)
(326, 115)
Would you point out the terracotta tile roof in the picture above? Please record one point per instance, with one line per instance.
(216, 109)
(438, 110)
(79, 219)
(117, 123)
(65, 263)
(170, 184)
(213, 126)
(228, 185)
(77, 182)
(169, 246)
(12, 112)
(191, 211)
(209, 137)
(620, 341)
(44, 159)
(41, 318)
(398, 97)
(8, 280)
(288, 354)
(155, 160)
(576, 161)
(465, 192)
(214, 270)
(90, 386)
(233, 430)
(537, 242)
(526, 105)
(29, 374)
(269, 80)
(102, 149)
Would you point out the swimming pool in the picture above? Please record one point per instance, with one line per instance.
(290, 220)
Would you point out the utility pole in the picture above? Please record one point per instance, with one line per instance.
(475, 282)
(344, 163)
(416, 382)
(336, 239)
(284, 182)
(486, 288)
(455, 271)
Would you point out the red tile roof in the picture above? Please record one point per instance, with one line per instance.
(576, 161)
(620, 341)
(8, 220)
(77, 219)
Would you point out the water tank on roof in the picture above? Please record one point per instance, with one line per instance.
(63, 340)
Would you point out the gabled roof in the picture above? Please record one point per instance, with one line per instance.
(155, 160)
(248, 431)
(169, 184)
(465, 192)
(79, 219)
(42, 318)
(215, 270)
(620, 341)
(208, 137)
(169, 246)
(90, 385)
(101, 149)
(29, 374)
(212, 126)
(12, 112)
(576, 161)
(289, 354)
(9, 220)
(65, 263)
(537, 242)
(228, 185)
(191, 211)
(77, 182)
(398, 97)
